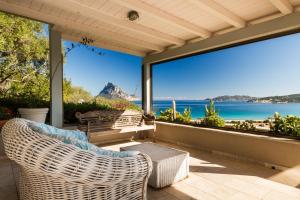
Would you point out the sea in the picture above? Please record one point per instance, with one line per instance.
(230, 110)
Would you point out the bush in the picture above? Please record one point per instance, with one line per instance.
(246, 125)
(213, 121)
(69, 108)
(166, 115)
(266, 121)
(117, 104)
(212, 118)
(184, 118)
(289, 125)
(14, 103)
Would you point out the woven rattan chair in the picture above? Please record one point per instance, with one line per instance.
(50, 169)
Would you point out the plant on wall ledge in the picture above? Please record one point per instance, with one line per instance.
(289, 125)
(166, 115)
(183, 118)
(245, 125)
(212, 118)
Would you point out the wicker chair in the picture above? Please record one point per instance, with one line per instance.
(50, 169)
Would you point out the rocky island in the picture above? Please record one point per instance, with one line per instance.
(112, 91)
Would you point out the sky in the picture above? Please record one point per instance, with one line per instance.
(91, 71)
(266, 68)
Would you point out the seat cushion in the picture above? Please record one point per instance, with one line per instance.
(76, 138)
(57, 132)
(100, 151)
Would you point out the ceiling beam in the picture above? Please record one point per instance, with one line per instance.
(104, 45)
(254, 32)
(93, 13)
(284, 6)
(100, 40)
(114, 37)
(219, 11)
(159, 14)
(67, 24)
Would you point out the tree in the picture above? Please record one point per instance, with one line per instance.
(23, 57)
(24, 66)
(75, 94)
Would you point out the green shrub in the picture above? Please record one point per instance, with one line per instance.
(246, 125)
(18, 102)
(117, 104)
(289, 125)
(69, 108)
(212, 118)
(213, 121)
(21, 102)
(184, 118)
(166, 115)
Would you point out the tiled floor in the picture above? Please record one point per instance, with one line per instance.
(7, 182)
(211, 177)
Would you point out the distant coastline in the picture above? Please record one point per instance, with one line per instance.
(283, 99)
(293, 98)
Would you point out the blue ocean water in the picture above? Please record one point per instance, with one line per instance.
(231, 110)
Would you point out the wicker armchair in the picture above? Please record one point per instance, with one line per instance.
(50, 169)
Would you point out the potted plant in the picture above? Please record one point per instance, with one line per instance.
(149, 118)
(34, 109)
(5, 115)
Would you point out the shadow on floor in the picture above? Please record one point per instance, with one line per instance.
(219, 164)
(202, 161)
(232, 170)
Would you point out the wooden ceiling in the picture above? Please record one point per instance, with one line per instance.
(163, 24)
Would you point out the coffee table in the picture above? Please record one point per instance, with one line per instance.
(169, 165)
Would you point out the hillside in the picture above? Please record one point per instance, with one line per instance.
(293, 98)
(233, 98)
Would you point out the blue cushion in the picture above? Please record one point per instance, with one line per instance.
(99, 151)
(76, 138)
(56, 132)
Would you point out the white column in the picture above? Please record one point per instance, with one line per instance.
(56, 78)
(147, 88)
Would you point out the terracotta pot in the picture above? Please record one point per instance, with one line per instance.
(34, 114)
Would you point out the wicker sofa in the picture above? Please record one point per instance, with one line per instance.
(51, 169)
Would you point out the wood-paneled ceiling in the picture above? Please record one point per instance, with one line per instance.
(162, 24)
